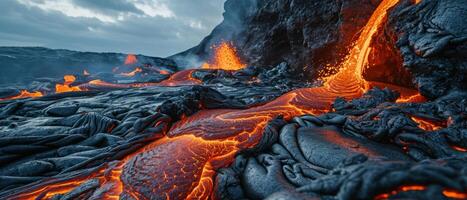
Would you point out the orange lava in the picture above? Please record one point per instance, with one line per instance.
(225, 57)
(180, 78)
(65, 87)
(450, 193)
(454, 194)
(426, 124)
(183, 77)
(131, 59)
(165, 72)
(132, 73)
(182, 165)
(457, 148)
(24, 94)
(416, 98)
(106, 176)
(400, 189)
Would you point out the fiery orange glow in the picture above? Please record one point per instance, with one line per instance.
(454, 194)
(165, 72)
(426, 124)
(109, 176)
(132, 73)
(450, 193)
(457, 148)
(183, 164)
(65, 87)
(131, 59)
(184, 77)
(400, 189)
(225, 57)
(417, 1)
(416, 98)
(24, 94)
(180, 78)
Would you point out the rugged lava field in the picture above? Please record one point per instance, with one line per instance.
(302, 100)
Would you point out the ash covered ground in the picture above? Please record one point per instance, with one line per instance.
(295, 100)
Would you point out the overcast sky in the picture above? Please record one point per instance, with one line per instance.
(151, 27)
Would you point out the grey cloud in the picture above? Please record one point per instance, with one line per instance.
(112, 5)
(156, 36)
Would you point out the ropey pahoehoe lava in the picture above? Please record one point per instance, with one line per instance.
(229, 130)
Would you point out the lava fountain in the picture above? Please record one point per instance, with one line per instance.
(182, 164)
(225, 57)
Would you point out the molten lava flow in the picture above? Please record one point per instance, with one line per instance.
(457, 148)
(24, 94)
(225, 57)
(182, 164)
(416, 98)
(132, 73)
(426, 124)
(450, 193)
(164, 72)
(400, 189)
(454, 194)
(65, 87)
(130, 59)
(183, 77)
(180, 78)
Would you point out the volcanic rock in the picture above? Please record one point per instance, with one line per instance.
(305, 34)
(429, 40)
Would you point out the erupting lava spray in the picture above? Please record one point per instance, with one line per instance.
(181, 165)
(225, 57)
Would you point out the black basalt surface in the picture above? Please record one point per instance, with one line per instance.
(362, 151)
(370, 147)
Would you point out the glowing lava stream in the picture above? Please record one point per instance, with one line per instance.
(181, 165)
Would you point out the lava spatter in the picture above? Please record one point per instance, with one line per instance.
(225, 57)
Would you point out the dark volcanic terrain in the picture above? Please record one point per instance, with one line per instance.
(296, 99)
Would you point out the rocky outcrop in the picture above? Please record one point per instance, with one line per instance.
(370, 148)
(419, 45)
(432, 41)
(305, 34)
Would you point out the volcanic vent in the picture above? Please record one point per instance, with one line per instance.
(233, 131)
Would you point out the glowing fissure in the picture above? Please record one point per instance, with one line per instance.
(426, 125)
(183, 163)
